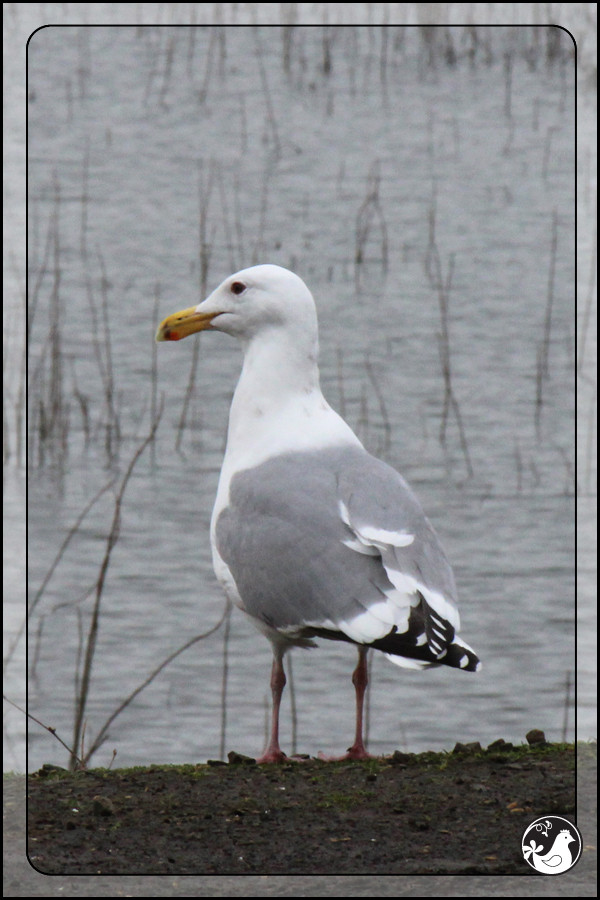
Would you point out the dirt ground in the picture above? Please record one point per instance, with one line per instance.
(449, 813)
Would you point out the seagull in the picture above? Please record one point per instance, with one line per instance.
(312, 536)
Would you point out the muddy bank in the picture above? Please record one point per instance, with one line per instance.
(450, 813)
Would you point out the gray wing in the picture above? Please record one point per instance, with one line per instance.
(334, 543)
(384, 517)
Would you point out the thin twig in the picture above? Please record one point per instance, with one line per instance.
(154, 371)
(48, 728)
(101, 736)
(112, 539)
(508, 67)
(265, 85)
(205, 248)
(259, 244)
(40, 591)
(383, 409)
(37, 647)
(543, 352)
(369, 210)
(203, 92)
(42, 272)
(83, 405)
(233, 262)
(519, 464)
(588, 304)
(550, 296)
(590, 443)
(433, 268)
(113, 435)
(169, 56)
(566, 708)
(69, 536)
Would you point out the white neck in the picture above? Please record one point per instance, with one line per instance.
(278, 404)
(276, 371)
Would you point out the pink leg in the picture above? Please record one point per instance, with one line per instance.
(360, 680)
(274, 753)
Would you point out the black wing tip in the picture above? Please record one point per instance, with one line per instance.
(461, 657)
(456, 655)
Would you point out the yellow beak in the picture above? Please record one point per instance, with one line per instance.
(180, 324)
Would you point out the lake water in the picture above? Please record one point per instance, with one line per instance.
(163, 159)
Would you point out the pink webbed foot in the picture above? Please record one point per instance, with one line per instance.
(278, 756)
(353, 752)
(272, 755)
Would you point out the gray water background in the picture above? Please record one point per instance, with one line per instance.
(141, 122)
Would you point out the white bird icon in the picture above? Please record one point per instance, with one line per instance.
(557, 860)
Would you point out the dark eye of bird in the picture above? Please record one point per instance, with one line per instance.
(237, 287)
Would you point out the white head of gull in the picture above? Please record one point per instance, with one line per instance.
(311, 535)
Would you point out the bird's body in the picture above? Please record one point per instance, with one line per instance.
(311, 535)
